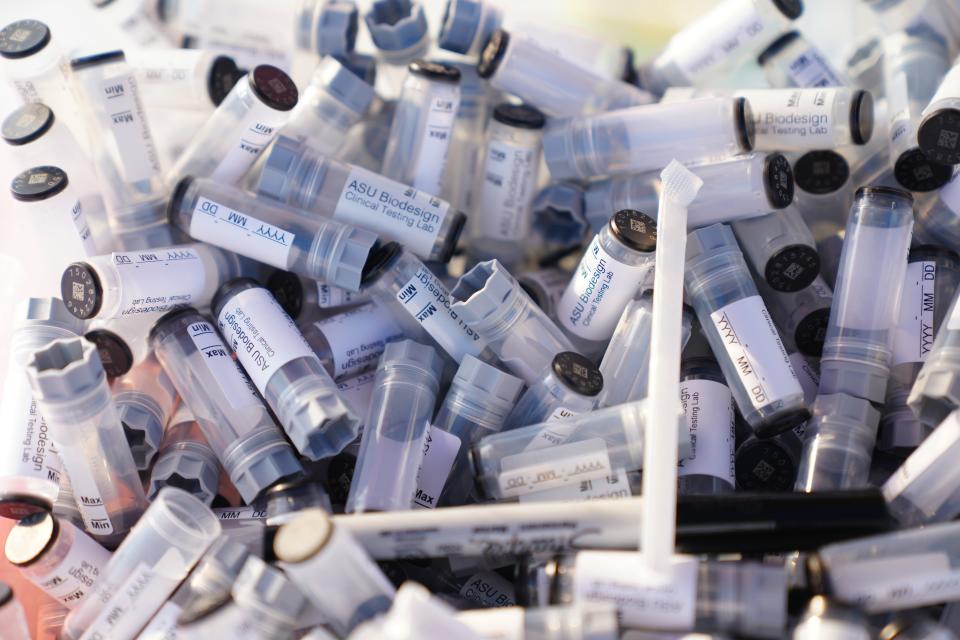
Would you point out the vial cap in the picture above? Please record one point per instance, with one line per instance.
(765, 465)
(939, 136)
(26, 124)
(521, 116)
(224, 74)
(811, 331)
(861, 117)
(821, 172)
(274, 87)
(47, 311)
(96, 59)
(461, 18)
(304, 536)
(23, 38)
(336, 27)
(115, 354)
(65, 368)
(778, 180)
(30, 538)
(914, 171)
(143, 431)
(395, 25)
(792, 9)
(777, 46)
(348, 271)
(276, 178)
(745, 124)
(434, 71)
(170, 316)
(344, 84)
(38, 183)
(409, 351)
(475, 373)
(635, 229)
(558, 213)
(492, 53)
(792, 268)
(81, 291)
(863, 192)
(176, 198)
(381, 258)
(288, 290)
(578, 372)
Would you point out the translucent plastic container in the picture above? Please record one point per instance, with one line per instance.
(350, 343)
(48, 207)
(939, 216)
(273, 604)
(793, 61)
(570, 385)
(145, 399)
(780, 247)
(463, 157)
(34, 64)
(183, 78)
(185, 460)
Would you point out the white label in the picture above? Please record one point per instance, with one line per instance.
(432, 156)
(154, 281)
(163, 626)
(612, 486)
(807, 376)
(509, 178)
(238, 232)
(439, 452)
(358, 337)
(260, 126)
(30, 453)
(240, 513)
(392, 210)
(133, 603)
(262, 334)
(553, 467)
(426, 299)
(708, 407)
(72, 580)
(793, 118)
(935, 448)
(90, 503)
(231, 379)
(754, 347)
(489, 589)
(914, 334)
(79, 219)
(329, 296)
(555, 435)
(598, 291)
(898, 105)
(716, 36)
(124, 118)
(905, 582)
(811, 69)
(498, 624)
(644, 597)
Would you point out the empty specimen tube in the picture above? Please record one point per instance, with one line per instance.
(741, 333)
(247, 120)
(402, 405)
(728, 34)
(284, 369)
(568, 386)
(793, 61)
(62, 560)
(463, 157)
(490, 301)
(938, 134)
(858, 348)
(351, 342)
(522, 66)
(234, 420)
(185, 460)
(12, 617)
(154, 558)
(646, 138)
(311, 546)
(507, 185)
(398, 29)
(744, 186)
(780, 248)
(422, 126)
(936, 392)
(271, 233)
(183, 78)
(34, 63)
(613, 269)
(30, 468)
(54, 206)
(801, 316)
(299, 176)
(71, 390)
(145, 399)
(577, 622)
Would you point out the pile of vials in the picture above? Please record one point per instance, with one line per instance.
(330, 322)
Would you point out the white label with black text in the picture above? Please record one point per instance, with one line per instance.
(357, 391)
(79, 220)
(914, 335)
(72, 580)
(892, 584)
(231, 379)
(793, 117)
(710, 40)
(358, 337)
(708, 407)
(125, 119)
(489, 589)
(29, 452)
(507, 190)
(329, 295)
(431, 159)
(950, 193)
(223, 227)
(90, 502)
(156, 280)
(553, 467)
(811, 69)
(616, 485)
(240, 513)
(260, 127)
(439, 452)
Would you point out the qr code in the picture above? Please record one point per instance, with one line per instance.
(78, 291)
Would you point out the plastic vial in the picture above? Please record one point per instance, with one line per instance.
(491, 302)
(62, 560)
(233, 418)
(838, 444)
(183, 78)
(747, 598)
(13, 620)
(858, 350)
(422, 126)
(350, 343)
(626, 362)
(467, 24)
(305, 299)
(156, 556)
(145, 399)
(122, 342)
(719, 40)
(793, 61)
(936, 392)
(273, 604)
(507, 179)
(30, 468)
(284, 369)
(801, 316)
(33, 63)
(476, 405)
(463, 157)
(744, 186)
(299, 176)
(54, 206)
(185, 460)
(938, 134)
(939, 216)
(310, 547)
(930, 284)
(568, 386)
(779, 247)
(274, 234)
(404, 396)
(829, 620)
(912, 68)
(397, 278)
(613, 269)
(247, 120)
(71, 390)
(741, 333)
(520, 65)
(577, 622)
(398, 29)
(646, 138)
(333, 102)
(545, 287)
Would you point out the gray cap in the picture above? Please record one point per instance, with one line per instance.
(48, 312)
(259, 461)
(707, 241)
(329, 27)
(65, 369)
(460, 24)
(398, 29)
(844, 407)
(350, 253)
(860, 379)
(142, 425)
(410, 352)
(558, 213)
(492, 383)
(936, 392)
(343, 84)
(277, 178)
(557, 151)
(267, 591)
(196, 472)
(484, 293)
(315, 417)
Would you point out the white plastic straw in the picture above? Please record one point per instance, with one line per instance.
(680, 187)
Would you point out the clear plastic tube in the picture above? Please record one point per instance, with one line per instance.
(122, 342)
(780, 248)
(145, 399)
(284, 369)
(272, 602)
(287, 499)
(793, 61)
(463, 157)
(183, 78)
(271, 233)
(350, 343)
(801, 316)
(396, 426)
(305, 299)
(34, 63)
(570, 385)
(185, 460)
(710, 419)
(939, 217)
(233, 418)
(71, 390)
(50, 210)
